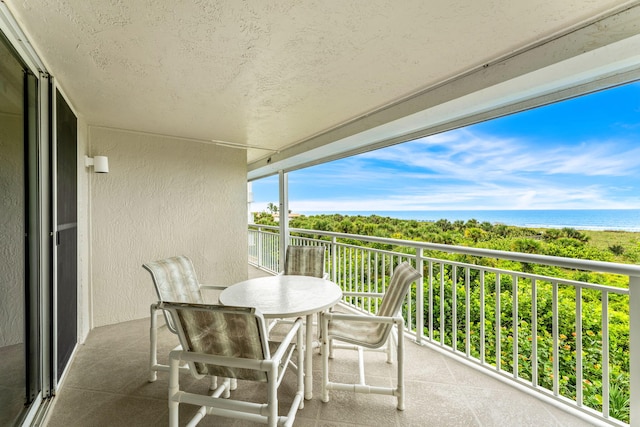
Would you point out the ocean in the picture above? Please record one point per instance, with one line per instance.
(580, 219)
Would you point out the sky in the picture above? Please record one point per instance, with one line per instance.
(582, 153)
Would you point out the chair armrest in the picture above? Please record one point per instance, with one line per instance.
(363, 294)
(232, 362)
(213, 287)
(361, 318)
(159, 306)
(282, 347)
(325, 276)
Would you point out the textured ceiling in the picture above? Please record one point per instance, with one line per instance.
(271, 73)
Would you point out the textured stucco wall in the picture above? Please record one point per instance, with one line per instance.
(11, 229)
(162, 197)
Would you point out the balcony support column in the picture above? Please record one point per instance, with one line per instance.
(283, 187)
(260, 251)
(334, 259)
(634, 350)
(419, 296)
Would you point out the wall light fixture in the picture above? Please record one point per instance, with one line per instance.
(100, 163)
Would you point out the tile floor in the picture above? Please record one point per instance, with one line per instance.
(107, 386)
(12, 383)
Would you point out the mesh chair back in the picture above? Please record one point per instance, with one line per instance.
(304, 261)
(175, 280)
(234, 332)
(402, 277)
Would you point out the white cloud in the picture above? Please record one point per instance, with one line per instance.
(463, 170)
(595, 159)
(461, 153)
(447, 197)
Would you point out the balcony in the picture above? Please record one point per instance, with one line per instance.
(107, 385)
(449, 381)
(555, 316)
(133, 84)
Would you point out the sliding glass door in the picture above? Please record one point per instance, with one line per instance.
(18, 373)
(24, 349)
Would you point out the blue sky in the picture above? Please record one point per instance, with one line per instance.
(582, 153)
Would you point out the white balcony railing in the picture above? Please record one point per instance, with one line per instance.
(472, 310)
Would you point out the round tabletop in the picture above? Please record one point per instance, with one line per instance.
(283, 296)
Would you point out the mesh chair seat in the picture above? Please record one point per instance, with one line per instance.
(366, 334)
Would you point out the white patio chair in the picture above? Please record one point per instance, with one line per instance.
(232, 342)
(370, 332)
(304, 261)
(174, 280)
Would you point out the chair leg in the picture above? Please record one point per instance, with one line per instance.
(174, 387)
(226, 394)
(213, 383)
(272, 399)
(153, 340)
(330, 349)
(301, 366)
(324, 392)
(319, 332)
(400, 361)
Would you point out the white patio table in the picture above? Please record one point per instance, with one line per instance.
(287, 296)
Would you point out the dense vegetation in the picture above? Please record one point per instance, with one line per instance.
(611, 246)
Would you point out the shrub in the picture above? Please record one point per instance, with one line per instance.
(616, 249)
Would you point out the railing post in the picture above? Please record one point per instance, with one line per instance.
(284, 217)
(419, 296)
(634, 350)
